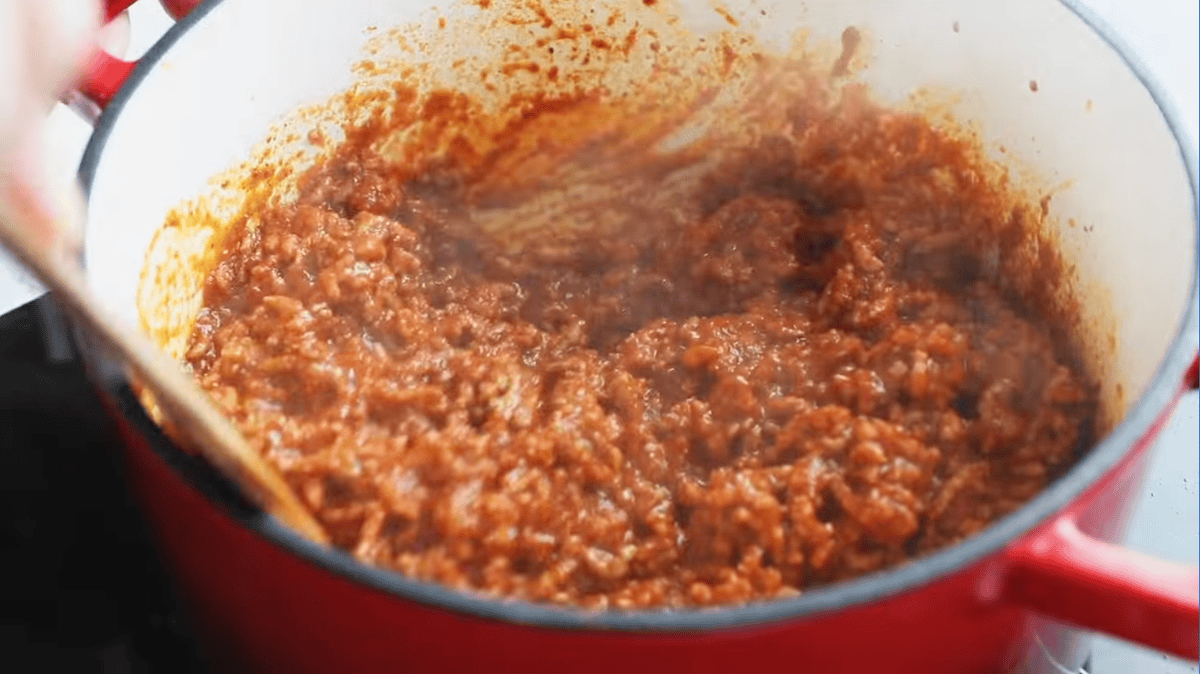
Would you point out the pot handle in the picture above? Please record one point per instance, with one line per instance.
(1067, 575)
(105, 74)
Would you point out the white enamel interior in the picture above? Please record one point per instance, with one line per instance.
(1121, 177)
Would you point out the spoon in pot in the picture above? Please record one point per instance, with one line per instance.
(49, 249)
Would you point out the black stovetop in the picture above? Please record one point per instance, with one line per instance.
(80, 588)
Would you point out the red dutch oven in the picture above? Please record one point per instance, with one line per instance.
(1018, 597)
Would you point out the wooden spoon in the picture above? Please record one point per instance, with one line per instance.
(48, 249)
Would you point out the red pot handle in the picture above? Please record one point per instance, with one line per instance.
(105, 74)
(1067, 575)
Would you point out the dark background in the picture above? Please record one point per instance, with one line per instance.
(80, 587)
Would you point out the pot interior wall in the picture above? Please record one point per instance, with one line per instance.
(1087, 134)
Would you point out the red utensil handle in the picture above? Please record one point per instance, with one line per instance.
(106, 73)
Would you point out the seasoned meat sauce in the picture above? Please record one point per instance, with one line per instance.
(814, 368)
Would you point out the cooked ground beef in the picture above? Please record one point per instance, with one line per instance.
(810, 370)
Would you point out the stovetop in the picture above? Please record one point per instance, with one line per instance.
(80, 587)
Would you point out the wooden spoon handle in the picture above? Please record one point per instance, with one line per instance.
(22, 229)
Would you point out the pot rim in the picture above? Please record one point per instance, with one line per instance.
(1139, 424)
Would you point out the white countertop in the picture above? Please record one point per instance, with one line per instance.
(1164, 33)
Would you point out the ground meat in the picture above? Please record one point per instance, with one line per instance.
(809, 371)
